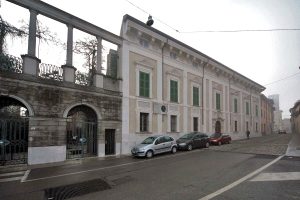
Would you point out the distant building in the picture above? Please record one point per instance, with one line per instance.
(267, 115)
(277, 113)
(286, 125)
(295, 118)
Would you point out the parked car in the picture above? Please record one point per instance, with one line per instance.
(193, 140)
(281, 132)
(154, 145)
(219, 138)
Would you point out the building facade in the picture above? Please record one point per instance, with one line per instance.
(171, 88)
(295, 118)
(267, 115)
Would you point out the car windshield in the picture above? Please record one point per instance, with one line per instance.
(188, 136)
(216, 135)
(149, 140)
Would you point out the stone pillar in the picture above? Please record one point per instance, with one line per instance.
(185, 103)
(30, 61)
(68, 68)
(98, 76)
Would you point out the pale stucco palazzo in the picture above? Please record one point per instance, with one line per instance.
(207, 93)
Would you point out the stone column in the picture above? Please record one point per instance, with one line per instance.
(68, 68)
(98, 76)
(185, 103)
(30, 61)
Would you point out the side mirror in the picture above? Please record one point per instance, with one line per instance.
(156, 142)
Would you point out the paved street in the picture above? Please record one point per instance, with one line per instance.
(231, 171)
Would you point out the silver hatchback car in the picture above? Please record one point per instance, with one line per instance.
(154, 145)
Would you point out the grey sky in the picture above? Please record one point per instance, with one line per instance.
(262, 56)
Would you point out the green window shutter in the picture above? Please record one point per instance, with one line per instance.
(256, 110)
(218, 101)
(195, 96)
(235, 105)
(173, 91)
(144, 84)
(247, 108)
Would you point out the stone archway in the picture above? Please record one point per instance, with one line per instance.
(14, 123)
(81, 132)
(218, 127)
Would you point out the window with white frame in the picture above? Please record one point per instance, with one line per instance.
(144, 122)
(173, 121)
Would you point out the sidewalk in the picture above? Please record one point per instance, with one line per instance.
(294, 146)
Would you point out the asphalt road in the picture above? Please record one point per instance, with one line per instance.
(185, 175)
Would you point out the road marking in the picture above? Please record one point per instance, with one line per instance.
(25, 176)
(114, 166)
(11, 179)
(280, 176)
(232, 185)
(12, 173)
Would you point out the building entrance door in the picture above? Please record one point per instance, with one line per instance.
(218, 127)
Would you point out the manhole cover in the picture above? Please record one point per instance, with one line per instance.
(77, 189)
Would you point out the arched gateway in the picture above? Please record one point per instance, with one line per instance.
(13, 131)
(81, 132)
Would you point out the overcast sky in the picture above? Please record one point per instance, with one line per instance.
(264, 57)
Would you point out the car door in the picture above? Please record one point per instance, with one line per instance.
(159, 145)
(197, 141)
(167, 143)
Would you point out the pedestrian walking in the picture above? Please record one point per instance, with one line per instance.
(248, 134)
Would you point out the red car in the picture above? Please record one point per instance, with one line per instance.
(219, 138)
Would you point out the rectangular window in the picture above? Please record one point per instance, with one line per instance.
(144, 122)
(247, 126)
(256, 110)
(195, 96)
(256, 128)
(173, 91)
(195, 120)
(235, 105)
(173, 123)
(247, 108)
(144, 84)
(235, 126)
(218, 101)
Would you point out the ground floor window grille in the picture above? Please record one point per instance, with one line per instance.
(195, 119)
(235, 126)
(144, 122)
(173, 123)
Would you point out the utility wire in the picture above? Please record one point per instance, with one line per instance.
(283, 79)
(215, 31)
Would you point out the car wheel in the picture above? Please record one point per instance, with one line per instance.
(149, 154)
(174, 150)
(219, 143)
(207, 145)
(189, 147)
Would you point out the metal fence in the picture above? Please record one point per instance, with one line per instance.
(49, 71)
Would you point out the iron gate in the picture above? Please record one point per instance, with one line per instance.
(81, 139)
(13, 141)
